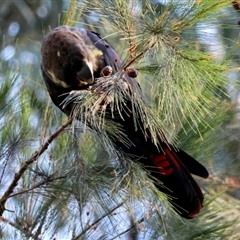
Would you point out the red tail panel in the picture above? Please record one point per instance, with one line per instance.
(162, 164)
(185, 194)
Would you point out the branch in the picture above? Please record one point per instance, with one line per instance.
(36, 186)
(34, 157)
(98, 220)
(138, 56)
(135, 225)
(17, 227)
(130, 228)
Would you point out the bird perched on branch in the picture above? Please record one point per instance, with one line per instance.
(72, 60)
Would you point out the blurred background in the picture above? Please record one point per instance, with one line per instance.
(24, 23)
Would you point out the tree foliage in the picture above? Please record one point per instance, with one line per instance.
(61, 180)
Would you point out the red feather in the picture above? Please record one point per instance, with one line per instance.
(183, 191)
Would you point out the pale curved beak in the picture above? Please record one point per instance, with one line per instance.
(85, 75)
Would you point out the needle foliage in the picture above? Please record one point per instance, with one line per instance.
(64, 180)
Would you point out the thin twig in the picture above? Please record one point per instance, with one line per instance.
(138, 56)
(2, 219)
(25, 166)
(98, 220)
(36, 186)
(129, 229)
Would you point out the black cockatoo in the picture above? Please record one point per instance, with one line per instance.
(72, 58)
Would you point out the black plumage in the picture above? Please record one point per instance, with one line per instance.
(72, 59)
